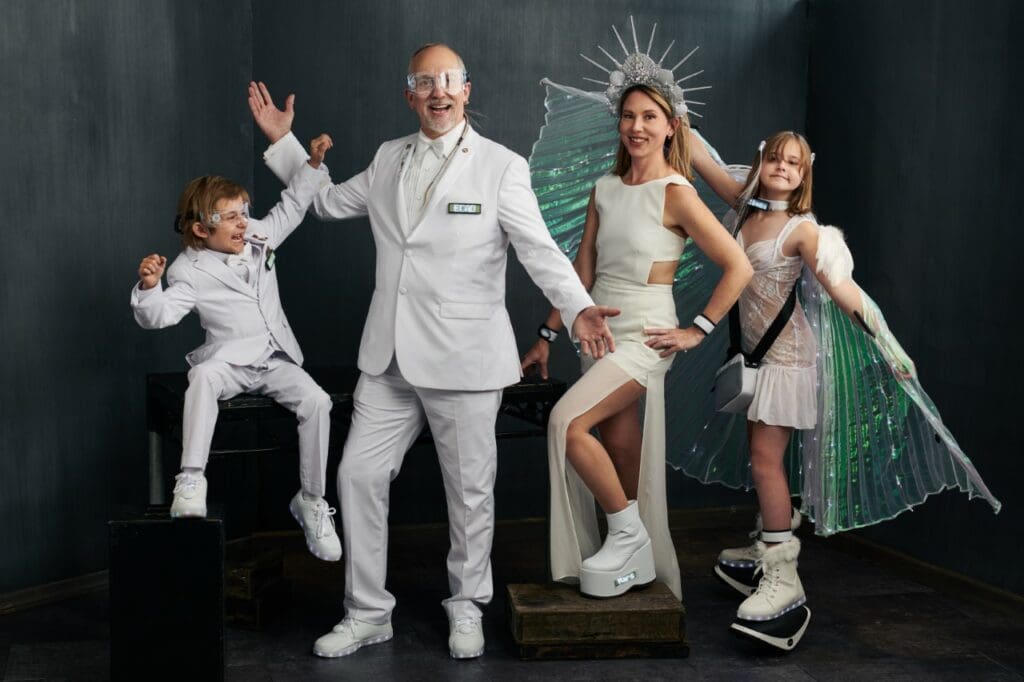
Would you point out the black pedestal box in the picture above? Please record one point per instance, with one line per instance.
(166, 598)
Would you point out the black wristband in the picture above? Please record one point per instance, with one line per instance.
(547, 333)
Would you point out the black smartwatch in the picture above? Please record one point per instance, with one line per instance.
(547, 333)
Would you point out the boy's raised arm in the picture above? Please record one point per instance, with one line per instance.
(155, 307)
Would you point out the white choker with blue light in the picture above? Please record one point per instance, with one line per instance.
(767, 204)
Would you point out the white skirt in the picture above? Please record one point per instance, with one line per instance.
(574, 531)
(785, 396)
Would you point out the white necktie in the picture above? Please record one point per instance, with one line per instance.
(239, 263)
(437, 146)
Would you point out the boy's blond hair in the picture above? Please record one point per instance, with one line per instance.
(197, 201)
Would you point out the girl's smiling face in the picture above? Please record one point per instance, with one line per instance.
(782, 170)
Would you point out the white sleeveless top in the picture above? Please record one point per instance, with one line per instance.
(786, 389)
(631, 235)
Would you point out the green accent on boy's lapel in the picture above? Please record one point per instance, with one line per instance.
(271, 257)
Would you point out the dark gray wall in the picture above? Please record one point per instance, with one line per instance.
(346, 64)
(914, 112)
(109, 108)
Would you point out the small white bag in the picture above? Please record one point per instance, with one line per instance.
(734, 385)
(736, 379)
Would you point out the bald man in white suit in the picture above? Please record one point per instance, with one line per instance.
(437, 347)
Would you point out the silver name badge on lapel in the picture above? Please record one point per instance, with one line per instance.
(465, 209)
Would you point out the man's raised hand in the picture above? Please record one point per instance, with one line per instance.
(274, 123)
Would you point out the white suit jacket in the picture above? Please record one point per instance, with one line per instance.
(240, 319)
(438, 303)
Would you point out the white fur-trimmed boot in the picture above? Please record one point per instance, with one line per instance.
(625, 560)
(736, 565)
(779, 590)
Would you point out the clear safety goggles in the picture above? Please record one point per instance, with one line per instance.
(452, 81)
(232, 216)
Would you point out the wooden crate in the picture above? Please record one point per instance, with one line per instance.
(249, 568)
(256, 593)
(554, 621)
(264, 608)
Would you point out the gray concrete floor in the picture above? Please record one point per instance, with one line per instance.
(869, 623)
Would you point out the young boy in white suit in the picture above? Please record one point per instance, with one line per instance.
(226, 274)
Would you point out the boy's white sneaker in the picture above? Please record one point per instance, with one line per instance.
(466, 637)
(349, 635)
(315, 518)
(189, 496)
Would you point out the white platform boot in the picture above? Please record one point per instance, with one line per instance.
(736, 565)
(779, 589)
(625, 560)
(775, 614)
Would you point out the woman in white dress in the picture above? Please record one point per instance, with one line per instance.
(638, 220)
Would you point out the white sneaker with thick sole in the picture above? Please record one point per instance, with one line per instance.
(349, 636)
(315, 519)
(189, 496)
(625, 560)
(466, 637)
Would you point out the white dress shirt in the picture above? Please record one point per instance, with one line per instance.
(426, 168)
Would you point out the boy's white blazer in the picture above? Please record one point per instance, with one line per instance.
(439, 298)
(240, 319)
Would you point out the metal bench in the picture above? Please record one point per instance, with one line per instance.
(524, 413)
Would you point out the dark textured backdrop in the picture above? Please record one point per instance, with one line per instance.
(110, 107)
(914, 111)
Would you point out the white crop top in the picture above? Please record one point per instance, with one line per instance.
(630, 235)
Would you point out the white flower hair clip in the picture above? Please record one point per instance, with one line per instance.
(639, 68)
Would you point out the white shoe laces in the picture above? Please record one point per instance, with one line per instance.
(467, 625)
(769, 582)
(324, 522)
(186, 484)
(347, 624)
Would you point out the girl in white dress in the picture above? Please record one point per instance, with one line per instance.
(779, 236)
(637, 223)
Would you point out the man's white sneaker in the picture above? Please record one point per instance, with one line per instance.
(315, 518)
(466, 638)
(349, 635)
(189, 496)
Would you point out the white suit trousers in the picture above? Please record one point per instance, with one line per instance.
(278, 378)
(388, 415)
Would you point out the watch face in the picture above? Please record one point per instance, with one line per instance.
(547, 334)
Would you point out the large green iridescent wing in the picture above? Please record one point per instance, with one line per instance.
(880, 447)
(576, 146)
